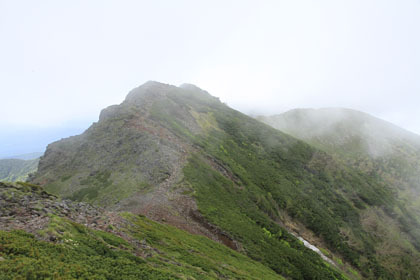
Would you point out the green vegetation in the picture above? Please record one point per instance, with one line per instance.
(198, 255)
(98, 181)
(378, 150)
(131, 247)
(235, 211)
(270, 173)
(82, 253)
(84, 257)
(363, 142)
(13, 170)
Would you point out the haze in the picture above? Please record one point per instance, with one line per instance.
(61, 62)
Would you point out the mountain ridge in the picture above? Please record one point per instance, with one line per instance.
(349, 135)
(320, 121)
(381, 147)
(178, 155)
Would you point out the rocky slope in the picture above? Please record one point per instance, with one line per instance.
(178, 155)
(13, 170)
(43, 237)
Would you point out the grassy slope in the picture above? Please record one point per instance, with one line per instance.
(82, 253)
(88, 254)
(13, 170)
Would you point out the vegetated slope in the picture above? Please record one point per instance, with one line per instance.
(178, 154)
(13, 170)
(371, 145)
(44, 237)
(368, 144)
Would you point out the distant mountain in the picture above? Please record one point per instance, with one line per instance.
(373, 146)
(28, 156)
(345, 131)
(178, 155)
(12, 170)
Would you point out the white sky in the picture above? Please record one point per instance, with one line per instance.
(61, 62)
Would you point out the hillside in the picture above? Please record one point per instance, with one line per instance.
(371, 145)
(13, 170)
(50, 238)
(179, 156)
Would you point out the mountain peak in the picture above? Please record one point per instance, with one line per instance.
(144, 96)
(192, 87)
(153, 90)
(148, 89)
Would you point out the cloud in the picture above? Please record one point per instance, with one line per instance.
(62, 61)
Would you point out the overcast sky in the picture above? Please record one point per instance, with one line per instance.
(61, 62)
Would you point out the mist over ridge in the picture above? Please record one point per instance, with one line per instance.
(364, 142)
(344, 124)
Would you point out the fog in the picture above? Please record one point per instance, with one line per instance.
(340, 128)
(62, 62)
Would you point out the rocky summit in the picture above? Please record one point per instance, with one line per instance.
(178, 156)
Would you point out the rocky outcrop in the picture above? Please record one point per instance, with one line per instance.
(30, 208)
